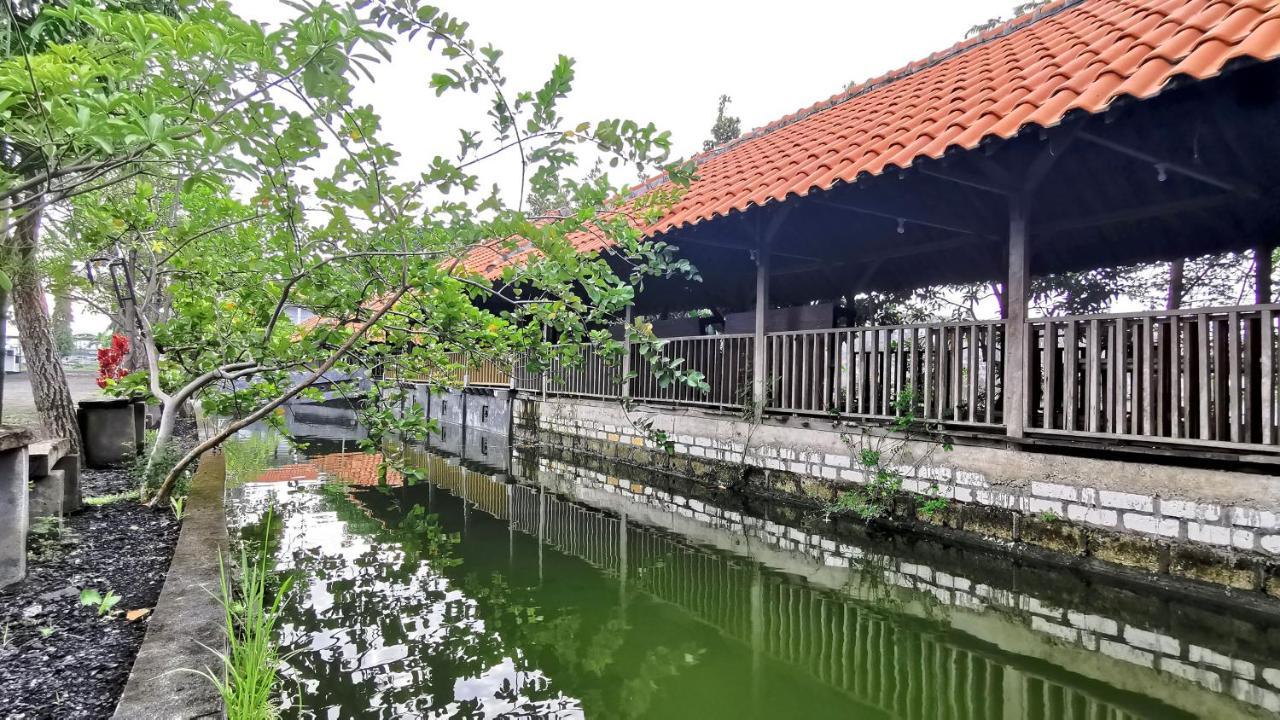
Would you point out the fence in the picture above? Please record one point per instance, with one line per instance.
(1202, 376)
(940, 372)
(723, 360)
(1206, 376)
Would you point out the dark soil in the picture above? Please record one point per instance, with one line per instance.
(58, 658)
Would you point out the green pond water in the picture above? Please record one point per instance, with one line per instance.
(505, 584)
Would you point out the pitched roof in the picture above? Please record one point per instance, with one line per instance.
(1071, 55)
(1068, 56)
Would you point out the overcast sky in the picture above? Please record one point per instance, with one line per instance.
(664, 61)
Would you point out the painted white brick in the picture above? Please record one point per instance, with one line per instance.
(1272, 676)
(797, 535)
(1202, 655)
(702, 442)
(835, 561)
(1062, 632)
(1127, 501)
(1245, 691)
(1036, 505)
(838, 460)
(1243, 539)
(1191, 510)
(1094, 623)
(1153, 641)
(1249, 517)
(853, 476)
(917, 486)
(697, 451)
(936, 473)
(828, 544)
(972, 479)
(829, 473)
(922, 571)
(697, 506)
(1207, 678)
(774, 464)
(963, 494)
(797, 467)
(1054, 490)
(1168, 527)
(1031, 604)
(1092, 515)
(1212, 534)
(1120, 651)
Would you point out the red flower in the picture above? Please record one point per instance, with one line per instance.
(109, 359)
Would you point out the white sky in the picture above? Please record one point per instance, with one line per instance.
(662, 61)
(668, 64)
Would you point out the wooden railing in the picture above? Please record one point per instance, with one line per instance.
(940, 372)
(591, 376)
(723, 360)
(1202, 376)
(1191, 376)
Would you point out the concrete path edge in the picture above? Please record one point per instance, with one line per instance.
(188, 619)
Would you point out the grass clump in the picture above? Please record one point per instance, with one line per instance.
(251, 609)
(99, 500)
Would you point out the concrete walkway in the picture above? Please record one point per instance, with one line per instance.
(188, 619)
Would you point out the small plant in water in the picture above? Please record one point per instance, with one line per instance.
(93, 598)
(178, 503)
(1049, 516)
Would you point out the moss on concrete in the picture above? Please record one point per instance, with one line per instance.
(1057, 535)
(1128, 550)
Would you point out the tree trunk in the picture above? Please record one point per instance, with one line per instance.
(48, 382)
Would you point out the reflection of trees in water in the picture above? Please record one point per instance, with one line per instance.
(397, 625)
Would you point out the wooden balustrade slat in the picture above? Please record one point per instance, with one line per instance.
(1069, 377)
(1233, 378)
(1266, 361)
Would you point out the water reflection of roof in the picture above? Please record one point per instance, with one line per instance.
(353, 468)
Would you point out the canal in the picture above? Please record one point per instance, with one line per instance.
(528, 583)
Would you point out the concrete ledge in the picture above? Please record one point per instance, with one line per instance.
(188, 616)
(1217, 527)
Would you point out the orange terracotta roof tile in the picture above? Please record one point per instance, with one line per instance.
(1069, 56)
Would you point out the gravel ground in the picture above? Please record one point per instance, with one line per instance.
(58, 658)
(20, 407)
(61, 659)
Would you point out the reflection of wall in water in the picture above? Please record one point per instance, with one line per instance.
(911, 670)
(478, 408)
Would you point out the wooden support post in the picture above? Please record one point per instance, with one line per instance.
(759, 359)
(626, 353)
(1262, 274)
(1015, 346)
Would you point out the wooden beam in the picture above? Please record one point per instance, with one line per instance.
(1204, 176)
(759, 376)
(903, 250)
(914, 220)
(1141, 212)
(1015, 333)
(626, 352)
(967, 180)
(740, 248)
